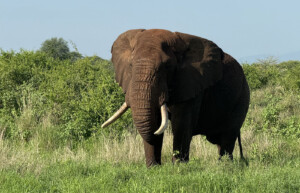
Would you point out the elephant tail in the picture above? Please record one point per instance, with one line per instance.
(240, 145)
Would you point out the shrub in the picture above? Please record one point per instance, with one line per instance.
(75, 97)
(285, 74)
(289, 75)
(259, 76)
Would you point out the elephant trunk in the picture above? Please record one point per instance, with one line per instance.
(145, 99)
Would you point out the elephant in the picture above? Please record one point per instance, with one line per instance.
(183, 78)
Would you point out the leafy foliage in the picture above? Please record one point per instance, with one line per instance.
(262, 74)
(73, 97)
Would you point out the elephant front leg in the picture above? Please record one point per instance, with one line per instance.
(181, 147)
(153, 151)
(183, 121)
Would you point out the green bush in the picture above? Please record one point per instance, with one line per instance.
(259, 75)
(74, 98)
(290, 75)
(262, 74)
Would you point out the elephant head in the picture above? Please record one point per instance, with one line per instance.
(156, 68)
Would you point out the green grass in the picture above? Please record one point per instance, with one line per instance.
(196, 176)
(112, 165)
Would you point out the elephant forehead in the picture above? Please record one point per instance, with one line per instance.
(154, 45)
(156, 37)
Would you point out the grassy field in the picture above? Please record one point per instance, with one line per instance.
(111, 165)
(50, 137)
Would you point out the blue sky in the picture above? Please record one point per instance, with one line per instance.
(244, 29)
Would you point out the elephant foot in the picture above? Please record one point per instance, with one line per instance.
(152, 163)
(226, 148)
(229, 156)
(153, 152)
(180, 158)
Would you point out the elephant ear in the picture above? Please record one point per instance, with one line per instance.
(122, 57)
(200, 66)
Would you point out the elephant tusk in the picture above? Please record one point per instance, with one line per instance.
(164, 120)
(117, 114)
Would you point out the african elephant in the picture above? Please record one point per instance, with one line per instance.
(183, 78)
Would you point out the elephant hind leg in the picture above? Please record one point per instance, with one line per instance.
(184, 120)
(226, 147)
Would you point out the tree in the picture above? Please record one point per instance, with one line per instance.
(58, 48)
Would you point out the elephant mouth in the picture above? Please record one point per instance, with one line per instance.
(124, 108)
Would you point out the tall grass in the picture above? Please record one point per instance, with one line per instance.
(129, 150)
(112, 165)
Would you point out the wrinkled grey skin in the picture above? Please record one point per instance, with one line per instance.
(204, 88)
